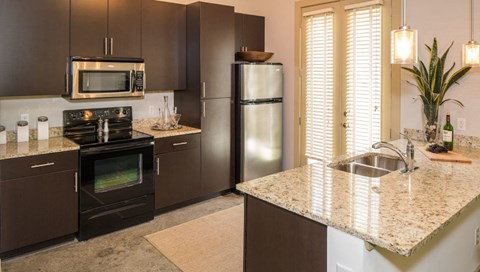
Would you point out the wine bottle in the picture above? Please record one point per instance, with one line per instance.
(448, 134)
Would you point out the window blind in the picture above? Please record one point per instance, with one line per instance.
(363, 77)
(319, 85)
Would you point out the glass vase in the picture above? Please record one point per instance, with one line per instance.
(432, 124)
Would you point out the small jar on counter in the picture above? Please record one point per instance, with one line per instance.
(42, 128)
(22, 131)
(3, 135)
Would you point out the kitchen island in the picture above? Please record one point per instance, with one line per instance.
(422, 221)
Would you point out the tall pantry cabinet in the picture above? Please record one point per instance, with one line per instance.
(207, 103)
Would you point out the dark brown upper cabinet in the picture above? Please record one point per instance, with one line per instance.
(33, 47)
(106, 28)
(249, 32)
(210, 39)
(164, 45)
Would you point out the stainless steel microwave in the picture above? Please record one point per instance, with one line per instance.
(105, 77)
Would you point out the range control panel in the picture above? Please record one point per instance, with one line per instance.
(70, 116)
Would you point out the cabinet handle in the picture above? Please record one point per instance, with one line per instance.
(203, 90)
(42, 165)
(204, 114)
(158, 166)
(105, 46)
(182, 143)
(111, 46)
(76, 182)
(67, 79)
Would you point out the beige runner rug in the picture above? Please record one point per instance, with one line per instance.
(208, 244)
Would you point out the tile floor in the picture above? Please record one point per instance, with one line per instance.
(121, 251)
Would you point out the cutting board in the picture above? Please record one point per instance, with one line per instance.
(451, 156)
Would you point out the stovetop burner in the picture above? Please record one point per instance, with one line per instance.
(86, 126)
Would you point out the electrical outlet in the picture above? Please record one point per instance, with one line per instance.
(461, 124)
(24, 117)
(151, 110)
(477, 236)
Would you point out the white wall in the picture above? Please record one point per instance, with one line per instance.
(448, 21)
(279, 32)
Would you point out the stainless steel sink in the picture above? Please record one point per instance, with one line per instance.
(379, 161)
(372, 165)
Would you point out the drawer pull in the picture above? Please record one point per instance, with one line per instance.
(76, 182)
(42, 165)
(182, 143)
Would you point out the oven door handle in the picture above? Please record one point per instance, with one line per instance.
(115, 147)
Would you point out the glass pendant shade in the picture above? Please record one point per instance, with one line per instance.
(471, 50)
(471, 54)
(404, 46)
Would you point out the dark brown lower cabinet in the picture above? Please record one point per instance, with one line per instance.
(178, 170)
(38, 199)
(279, 240)
(217, 163)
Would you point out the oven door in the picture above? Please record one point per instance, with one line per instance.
(115, 173)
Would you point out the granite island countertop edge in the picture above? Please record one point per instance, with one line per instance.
(405, 246)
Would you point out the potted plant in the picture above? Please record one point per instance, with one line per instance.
(433, 84)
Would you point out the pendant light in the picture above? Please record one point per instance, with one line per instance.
(404, 42)
(471, 50)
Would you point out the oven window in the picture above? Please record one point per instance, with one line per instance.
(104, 81)
(118, 172)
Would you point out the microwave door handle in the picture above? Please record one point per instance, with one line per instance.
(132, 80)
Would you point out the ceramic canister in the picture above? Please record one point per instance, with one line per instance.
(22, 131)
(42, 128)
(3, 135)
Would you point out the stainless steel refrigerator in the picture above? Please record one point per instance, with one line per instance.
(258, 119)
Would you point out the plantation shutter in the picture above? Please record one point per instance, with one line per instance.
(319, 84)
(363, 76)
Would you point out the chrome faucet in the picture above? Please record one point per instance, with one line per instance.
(407, 157)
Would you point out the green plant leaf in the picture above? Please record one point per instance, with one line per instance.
(433, 83)
(453, 100)
(457, 76)
(439, 78)
(433, 61)
(447, 73)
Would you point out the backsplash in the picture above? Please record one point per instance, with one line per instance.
(58, 131)
(460, 140)
(12, 108)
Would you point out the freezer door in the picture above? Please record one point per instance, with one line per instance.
(260, 140)
(260, 81)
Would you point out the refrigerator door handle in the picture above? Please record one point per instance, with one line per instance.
(204, 114)
(203, 90)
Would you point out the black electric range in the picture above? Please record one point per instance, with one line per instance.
(115, 169)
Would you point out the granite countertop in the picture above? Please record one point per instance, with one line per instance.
(58, 143)
(146, 124)
(12, 150)
(398, 212)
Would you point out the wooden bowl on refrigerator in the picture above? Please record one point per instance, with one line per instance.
(254, 56)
